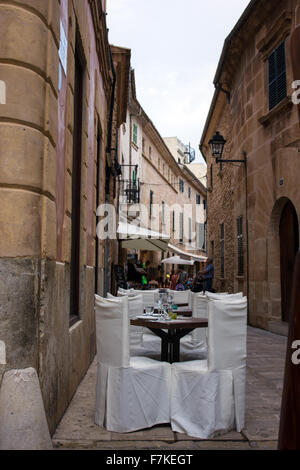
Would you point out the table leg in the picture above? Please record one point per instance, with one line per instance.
(174, 345)
(164, 350)
(176, 350)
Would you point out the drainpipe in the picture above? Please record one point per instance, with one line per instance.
(111, 111)
(107, 257)
(247, 234)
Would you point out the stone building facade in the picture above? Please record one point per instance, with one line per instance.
(254, 208)
(56, 136)
(164, 187)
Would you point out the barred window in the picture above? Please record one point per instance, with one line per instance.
(240, 245)
(277, 76)
(222, 248)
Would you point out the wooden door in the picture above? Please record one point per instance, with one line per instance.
(289, 245)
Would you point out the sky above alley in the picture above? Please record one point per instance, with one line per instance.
(175, 49)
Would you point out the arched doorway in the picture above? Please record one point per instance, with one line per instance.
(289, 245)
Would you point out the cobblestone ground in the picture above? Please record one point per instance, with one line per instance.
(265, 369)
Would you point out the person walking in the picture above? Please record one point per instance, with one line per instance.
(208, 275)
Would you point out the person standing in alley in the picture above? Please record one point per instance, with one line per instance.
(208, 275)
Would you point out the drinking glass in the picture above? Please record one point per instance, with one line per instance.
(149, 310)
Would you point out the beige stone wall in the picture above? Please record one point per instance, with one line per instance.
(271, 141)
(34, 284)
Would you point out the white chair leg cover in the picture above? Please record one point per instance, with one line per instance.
(101, 392)
(137, 397)
(239, 390)
(213, 409)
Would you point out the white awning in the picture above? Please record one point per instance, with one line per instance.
(140, 238)
(190, 255)
(127, 230)
(178, 260)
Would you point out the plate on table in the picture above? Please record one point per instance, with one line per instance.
(147, 317)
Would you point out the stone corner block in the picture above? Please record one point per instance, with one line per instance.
(23, 423)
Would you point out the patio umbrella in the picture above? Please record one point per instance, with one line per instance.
(178, 260)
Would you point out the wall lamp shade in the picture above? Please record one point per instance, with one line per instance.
(217, 144)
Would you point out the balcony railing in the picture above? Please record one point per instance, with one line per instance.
(129, 192)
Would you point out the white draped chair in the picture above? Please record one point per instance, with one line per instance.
(148, 296)
(208, 397)
(194, 345)
(147, 300)
(132, 392)
(220, 296)
(180, 297)
(135, 308)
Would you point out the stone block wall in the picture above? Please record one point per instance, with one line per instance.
(271, 142)
(36, 152)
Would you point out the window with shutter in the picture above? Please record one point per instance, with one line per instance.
(135, 134)
(181, 227)
(277, 76)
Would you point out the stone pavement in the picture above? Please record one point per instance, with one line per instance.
(265, 369)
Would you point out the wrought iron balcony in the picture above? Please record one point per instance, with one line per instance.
(129, 192)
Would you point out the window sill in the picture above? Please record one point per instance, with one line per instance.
(240, 278)
(284, 104)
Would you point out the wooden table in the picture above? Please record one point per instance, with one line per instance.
(170, 339)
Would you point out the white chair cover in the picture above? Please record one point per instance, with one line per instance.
(194, 345)
(227, 347)
(200, 310)
(148, 300)
(180, 297)
(217, 296)
(135, 308)
(132, 393)
(209, 396)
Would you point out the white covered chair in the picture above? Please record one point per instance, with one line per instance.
(217, 296)
(194, 345)
(148, 297)
(180, 297)
(135, 308)
(132, 392)
(208, 397)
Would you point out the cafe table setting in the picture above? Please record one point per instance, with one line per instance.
(200, 397)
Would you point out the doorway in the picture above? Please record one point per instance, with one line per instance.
(289, 245)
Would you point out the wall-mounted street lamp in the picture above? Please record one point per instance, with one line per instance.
(217, 144)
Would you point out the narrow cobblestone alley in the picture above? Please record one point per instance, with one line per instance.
(265, 369)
